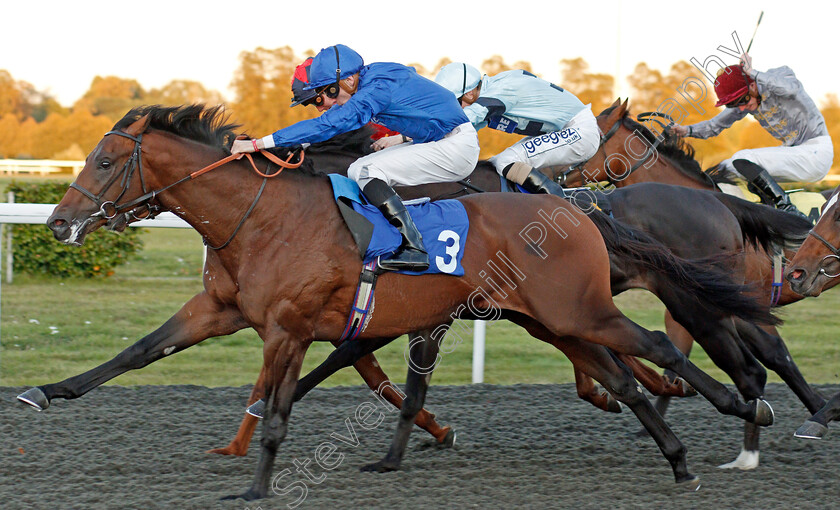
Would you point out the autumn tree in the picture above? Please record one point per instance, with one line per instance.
(590, 88)
(262, 88)
(112, 97)
(180, 92)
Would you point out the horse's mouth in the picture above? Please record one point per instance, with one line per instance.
(803, 283)
(74, 232)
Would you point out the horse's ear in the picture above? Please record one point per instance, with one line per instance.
(139, 126)
(625, 106)
(616, 103)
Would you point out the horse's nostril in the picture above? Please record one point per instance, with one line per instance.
(59, 223)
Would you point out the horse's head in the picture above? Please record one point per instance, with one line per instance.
(94, 198)
(816, 265)
(603, 165)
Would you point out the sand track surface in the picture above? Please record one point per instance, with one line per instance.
(522, 446)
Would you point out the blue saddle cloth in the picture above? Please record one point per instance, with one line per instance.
(443, 224)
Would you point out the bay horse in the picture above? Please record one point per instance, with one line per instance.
(813, 269)
(673, 222)
(630, 154)
(287, 267)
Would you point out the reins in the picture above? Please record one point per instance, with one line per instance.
(110, 209)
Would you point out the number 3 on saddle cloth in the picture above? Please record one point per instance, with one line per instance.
(443, 224)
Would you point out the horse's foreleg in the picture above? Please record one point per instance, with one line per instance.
(423, 351)
(200, 318)
(816, 426)
(282, 359)
(766, 344)
(345, 354)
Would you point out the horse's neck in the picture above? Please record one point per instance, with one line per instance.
(216, 203)
(665, 172)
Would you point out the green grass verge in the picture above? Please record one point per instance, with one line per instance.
(53, 329)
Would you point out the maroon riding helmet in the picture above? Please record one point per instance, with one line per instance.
(299, 81)
(732, 83)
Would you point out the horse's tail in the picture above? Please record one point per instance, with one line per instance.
(702, 281)
(764, 226)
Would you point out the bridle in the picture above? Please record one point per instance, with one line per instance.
(835, 251)
(109, 209)
(612, 131)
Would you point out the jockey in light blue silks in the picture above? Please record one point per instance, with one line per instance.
(560, 130)
(440, 144)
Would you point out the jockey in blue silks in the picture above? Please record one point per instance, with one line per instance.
(439, 143)
(559, 129)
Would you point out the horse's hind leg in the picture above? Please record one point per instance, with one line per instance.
(239, 444)
(612, 329)
(618, 379)
(423, 351)
(587, 391)
(200, 318)
(816, 426)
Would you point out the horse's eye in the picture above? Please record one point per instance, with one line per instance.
(104, 164)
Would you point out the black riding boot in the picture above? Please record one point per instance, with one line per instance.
(411, 256)
(766, 185)
(534, 182)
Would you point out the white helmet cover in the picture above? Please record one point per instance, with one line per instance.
(458, 78)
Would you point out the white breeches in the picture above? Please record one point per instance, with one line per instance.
(577, 141)
(410, 164)
(808, 162)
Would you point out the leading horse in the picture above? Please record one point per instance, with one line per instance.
(287, 267)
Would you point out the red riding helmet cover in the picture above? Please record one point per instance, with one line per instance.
(732, 83)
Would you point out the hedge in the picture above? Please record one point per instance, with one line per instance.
(36, 251)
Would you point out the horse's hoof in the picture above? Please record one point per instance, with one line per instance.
(249, 495)
(379, 467)
(228, 451)
(811, 430)
(764, 416)
(35, 397)
(613, 405)
(691, 483)
(449, 440)
(746, 460)
(687, 389)
(256, 409)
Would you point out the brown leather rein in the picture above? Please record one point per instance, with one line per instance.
(110, 209)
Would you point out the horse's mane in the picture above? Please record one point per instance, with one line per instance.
(672, 146)
(210, 125)
(207, 125)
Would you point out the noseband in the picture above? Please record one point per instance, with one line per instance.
(109, 209)
(613, 129)
(835, 251)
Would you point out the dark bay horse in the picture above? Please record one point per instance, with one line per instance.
(287, 266)
(630, 154)
(815, 268)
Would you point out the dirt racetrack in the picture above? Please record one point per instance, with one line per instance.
(525, 446)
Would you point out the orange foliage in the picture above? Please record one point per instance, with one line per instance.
(33, 125)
